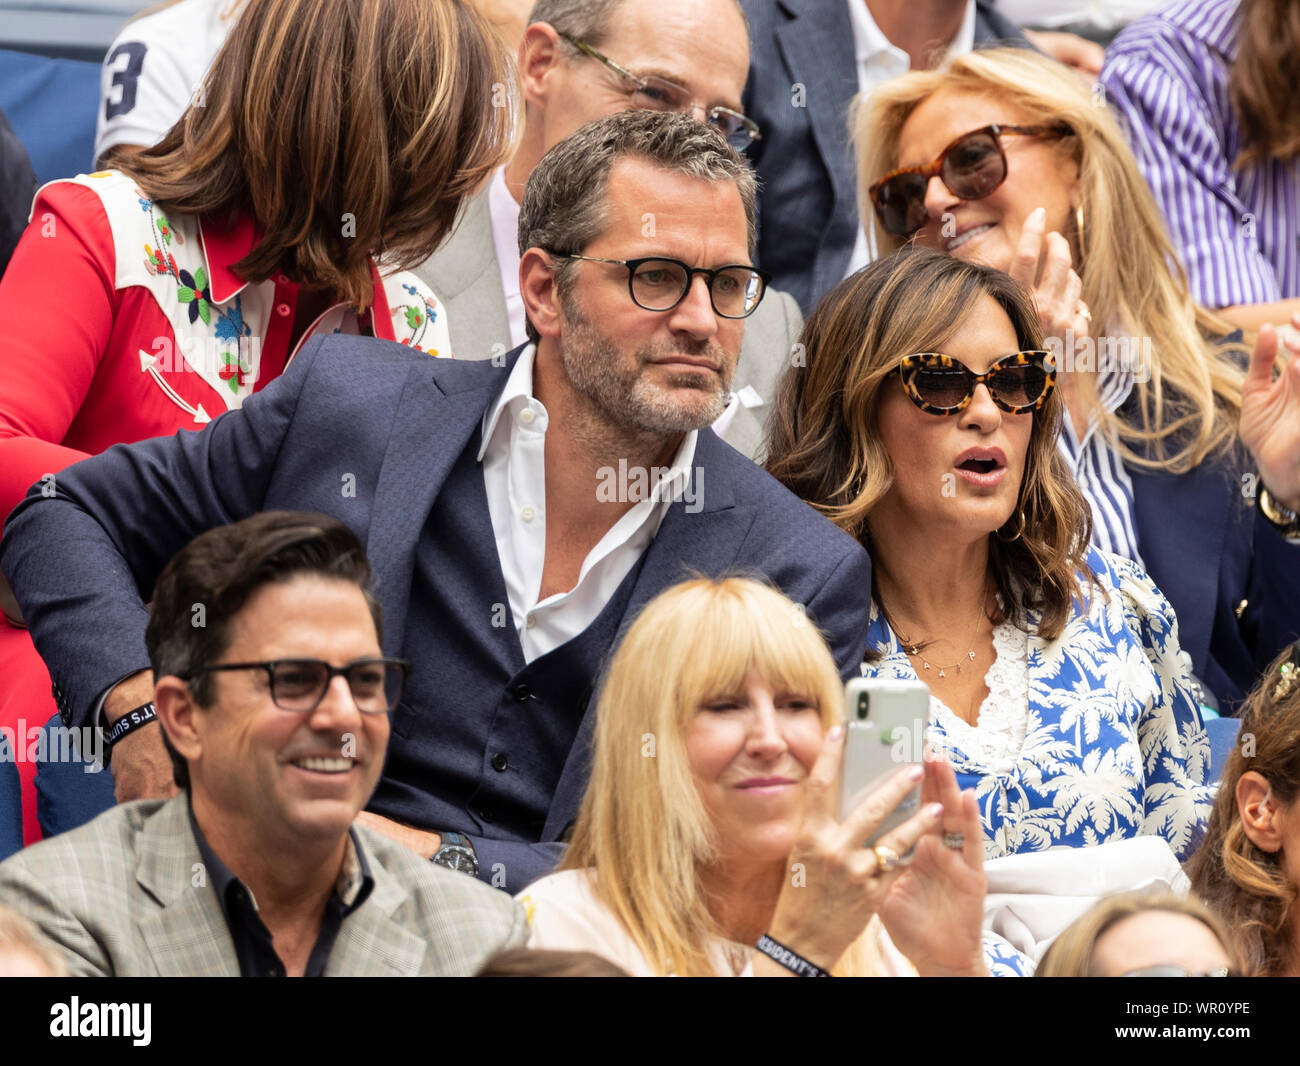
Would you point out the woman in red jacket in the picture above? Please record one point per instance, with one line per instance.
(152, 297)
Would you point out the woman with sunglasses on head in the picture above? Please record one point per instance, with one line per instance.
(1190, 468)
(1248, 866)
(925, 425)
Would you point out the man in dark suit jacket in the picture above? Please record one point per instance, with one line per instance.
(803, 74)
(516, 516)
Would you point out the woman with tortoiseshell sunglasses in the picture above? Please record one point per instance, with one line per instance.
(925, 425)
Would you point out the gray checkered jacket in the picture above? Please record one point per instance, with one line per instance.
(124, 896)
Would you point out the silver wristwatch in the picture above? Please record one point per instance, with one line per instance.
(457, 853)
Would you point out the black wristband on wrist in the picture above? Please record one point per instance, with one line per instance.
(129, 722)
(796, 964)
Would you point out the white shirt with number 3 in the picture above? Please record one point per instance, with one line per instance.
(154, 69)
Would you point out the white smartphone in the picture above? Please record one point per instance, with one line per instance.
(885, 722)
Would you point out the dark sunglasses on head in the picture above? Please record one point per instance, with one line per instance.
(971, 168)
(940, 385)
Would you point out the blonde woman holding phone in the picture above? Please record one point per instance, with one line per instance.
(708, 843)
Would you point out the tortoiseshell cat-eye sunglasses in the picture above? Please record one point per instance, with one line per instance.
(940, 385)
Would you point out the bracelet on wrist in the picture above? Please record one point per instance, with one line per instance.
(791, 960)
(1283, 519)
(131, 721)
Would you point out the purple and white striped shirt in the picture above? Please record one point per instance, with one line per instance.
(1237, 231)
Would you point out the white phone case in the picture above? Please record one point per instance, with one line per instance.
(885, 722)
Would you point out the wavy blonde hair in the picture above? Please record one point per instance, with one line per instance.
(643, 826)
(1132, 281)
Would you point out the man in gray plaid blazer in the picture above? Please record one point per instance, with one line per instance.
(274, 698)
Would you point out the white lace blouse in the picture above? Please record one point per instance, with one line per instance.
(999, 731)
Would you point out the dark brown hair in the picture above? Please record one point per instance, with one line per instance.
(1263, 81)
(1244, 883)
(206, 584)
(345, 128)
(824, 444)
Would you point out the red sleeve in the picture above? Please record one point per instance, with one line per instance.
(57, 303)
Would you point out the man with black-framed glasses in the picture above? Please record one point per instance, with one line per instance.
(580, 60)
(274, 698)
(517, 516)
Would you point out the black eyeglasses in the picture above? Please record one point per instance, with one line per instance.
(940, 385)
(971, 167)
(659, 284)
(300, 684)
(652, 93)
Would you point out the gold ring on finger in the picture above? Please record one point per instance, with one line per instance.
(886, 858)
(1083, 312)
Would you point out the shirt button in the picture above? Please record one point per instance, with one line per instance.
(528, 514)
(527, 416)
(282, 309)
(521, 692)
(530, 621)
(499, 761)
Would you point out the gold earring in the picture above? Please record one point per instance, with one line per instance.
(1020, 529)
(1078, 230)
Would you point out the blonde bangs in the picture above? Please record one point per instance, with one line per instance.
(642, 823)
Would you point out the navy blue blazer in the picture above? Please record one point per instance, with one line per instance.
(1233, 580)
(808, 209)
(369, 432)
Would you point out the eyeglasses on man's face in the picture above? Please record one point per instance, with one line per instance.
(971, 167)
(659, 284)
(652, 93)
(300, 684)
(940, 385)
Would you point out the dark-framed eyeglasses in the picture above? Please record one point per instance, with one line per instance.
(1170, 970)
(300, 684)
(971, 167)
(659, 284)
(652, 93)
(940, 385)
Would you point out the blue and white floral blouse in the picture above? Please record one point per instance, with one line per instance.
(1111, 743)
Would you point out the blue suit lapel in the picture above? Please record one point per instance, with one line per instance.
(441, 407)
(1182, 524)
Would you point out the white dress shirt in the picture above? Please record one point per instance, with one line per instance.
(1102, 14)
(503, 213)
(880, 61)
(513, 455)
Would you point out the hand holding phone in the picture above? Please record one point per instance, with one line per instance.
(885, 722)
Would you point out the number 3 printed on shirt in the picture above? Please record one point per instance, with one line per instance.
(125, 78)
